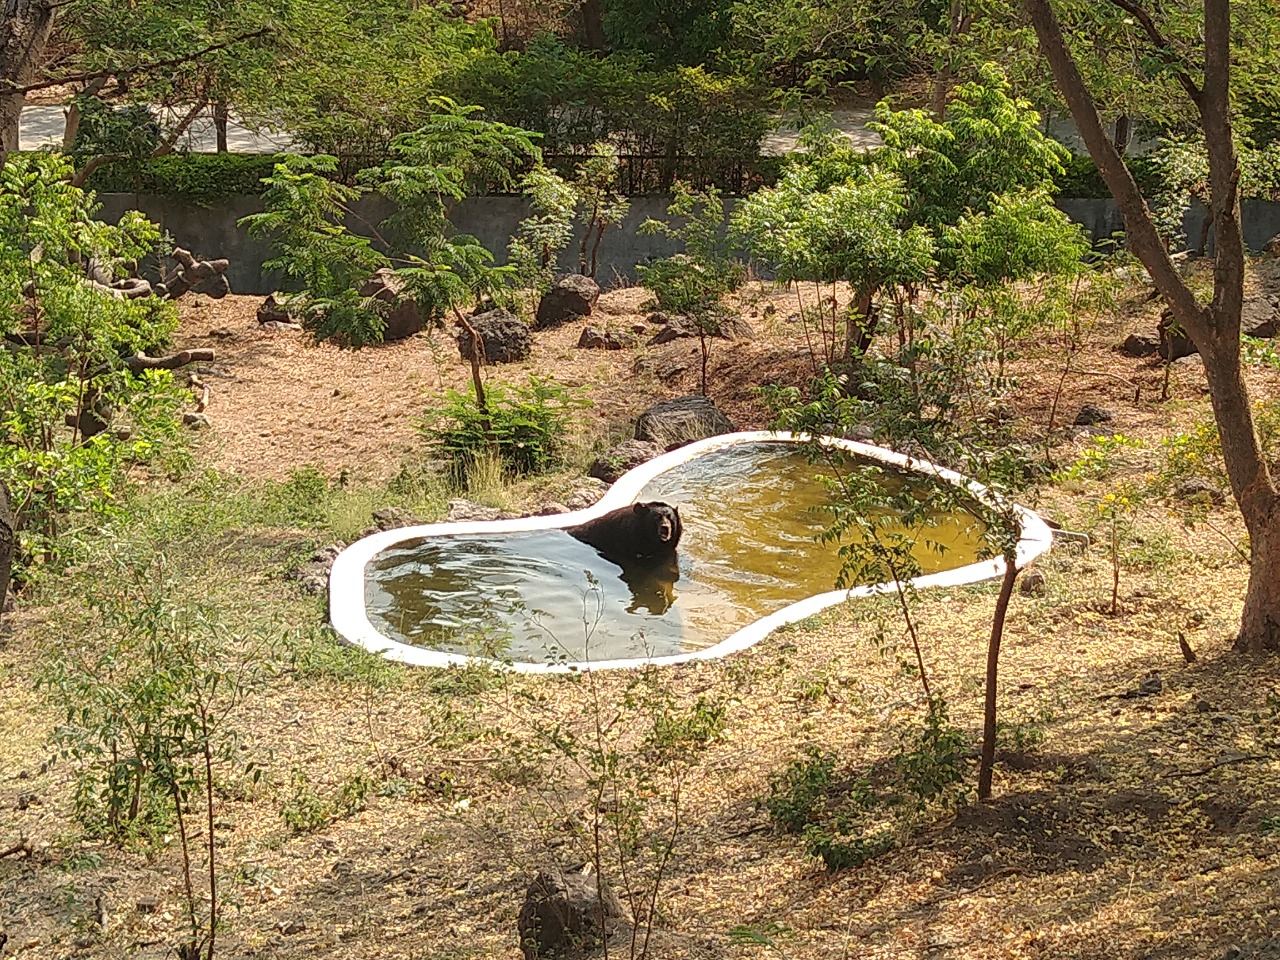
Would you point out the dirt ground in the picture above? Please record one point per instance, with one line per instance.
(1125, 824)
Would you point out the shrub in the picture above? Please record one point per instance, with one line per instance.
(526, 425)
(200, 179)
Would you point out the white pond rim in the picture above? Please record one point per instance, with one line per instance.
(350, 619)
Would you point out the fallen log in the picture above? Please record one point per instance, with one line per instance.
(141, 361)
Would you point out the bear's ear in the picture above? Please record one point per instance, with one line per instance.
(638, 507)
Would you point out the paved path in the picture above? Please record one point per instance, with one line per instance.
(41, 126)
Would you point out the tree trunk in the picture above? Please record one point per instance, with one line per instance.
(220, 115)
(593, 25)
(1124, 132)
(987, 762)
(24, 33)
(1215, 328)
(8, 546)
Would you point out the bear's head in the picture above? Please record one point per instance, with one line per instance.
(661, 522)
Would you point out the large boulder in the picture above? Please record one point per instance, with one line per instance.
(1260, 317)
(566, 914)
(404, 318)
(506, 338)
(616, 461)
(568, 299)
(673, 423)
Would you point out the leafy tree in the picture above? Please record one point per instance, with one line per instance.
(695, 282)
(600, 204)
(1214, 327)
(76, 352)
(669, 31)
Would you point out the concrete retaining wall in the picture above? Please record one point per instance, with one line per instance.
(212, 232)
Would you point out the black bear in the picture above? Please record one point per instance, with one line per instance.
(641, 534)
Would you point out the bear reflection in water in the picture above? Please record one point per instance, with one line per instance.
(642, 540)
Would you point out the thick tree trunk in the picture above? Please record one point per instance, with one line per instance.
(24, 32)
(1124, 132)
(593, 24)
(1214, 329)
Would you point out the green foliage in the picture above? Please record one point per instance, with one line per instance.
(198, 179)
(304, 810)
(146, 697)
(77, 373)
(304, 216)
(847, 818)
(600, 205)
(539, 239)
(1081, 178)
(670, 32)
(1102, 457)
(1183, 169)
(526, 426)
(684, 123)
(694, 283)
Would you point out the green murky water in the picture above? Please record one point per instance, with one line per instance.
(751, 516)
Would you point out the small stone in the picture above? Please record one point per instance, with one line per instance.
(1139, 345)
(272, 310)
(464, 511)
(1204, 706)
(1033, 583)
(26, 800)
(550, 508)
(313, 576)
(196, 421)
(393, 518)
(290, 927)
(279, 325)
(1199, 491)
(587, 491)
(222, 333)
(616, 461)
(1150, 685)
(147, 905)
(595, 338)
(1091, 414)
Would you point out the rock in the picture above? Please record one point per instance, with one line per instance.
(196, 421)
(273, 310)
(1174, 344)
(403, 316)
(672, 367)
(593, 338)
(147, 904)
(1260, 317)
(616, 461)
(1272, 247)
(673, 423)
(222, 333)
(1139, 345)
(586, 491)
(279, 325)
(566, 914)
(568, 299)
(393, 518)
(550, 508)
(1091, 414)
(313, 576)
(1204, 706)
(1150, 685)
(290, 927)
(660, 319)
(463, 511)
(1033, 583)
(676, 328)
(506, 338)
(1199, 490)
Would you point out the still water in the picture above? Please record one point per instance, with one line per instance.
(752, 514)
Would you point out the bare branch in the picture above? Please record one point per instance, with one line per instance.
(1164, 48)
(9, 88)
(140, 362)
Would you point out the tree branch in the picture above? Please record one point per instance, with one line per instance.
(9, 88)
(1140, 230)
(140, 362)
(1163, 47)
